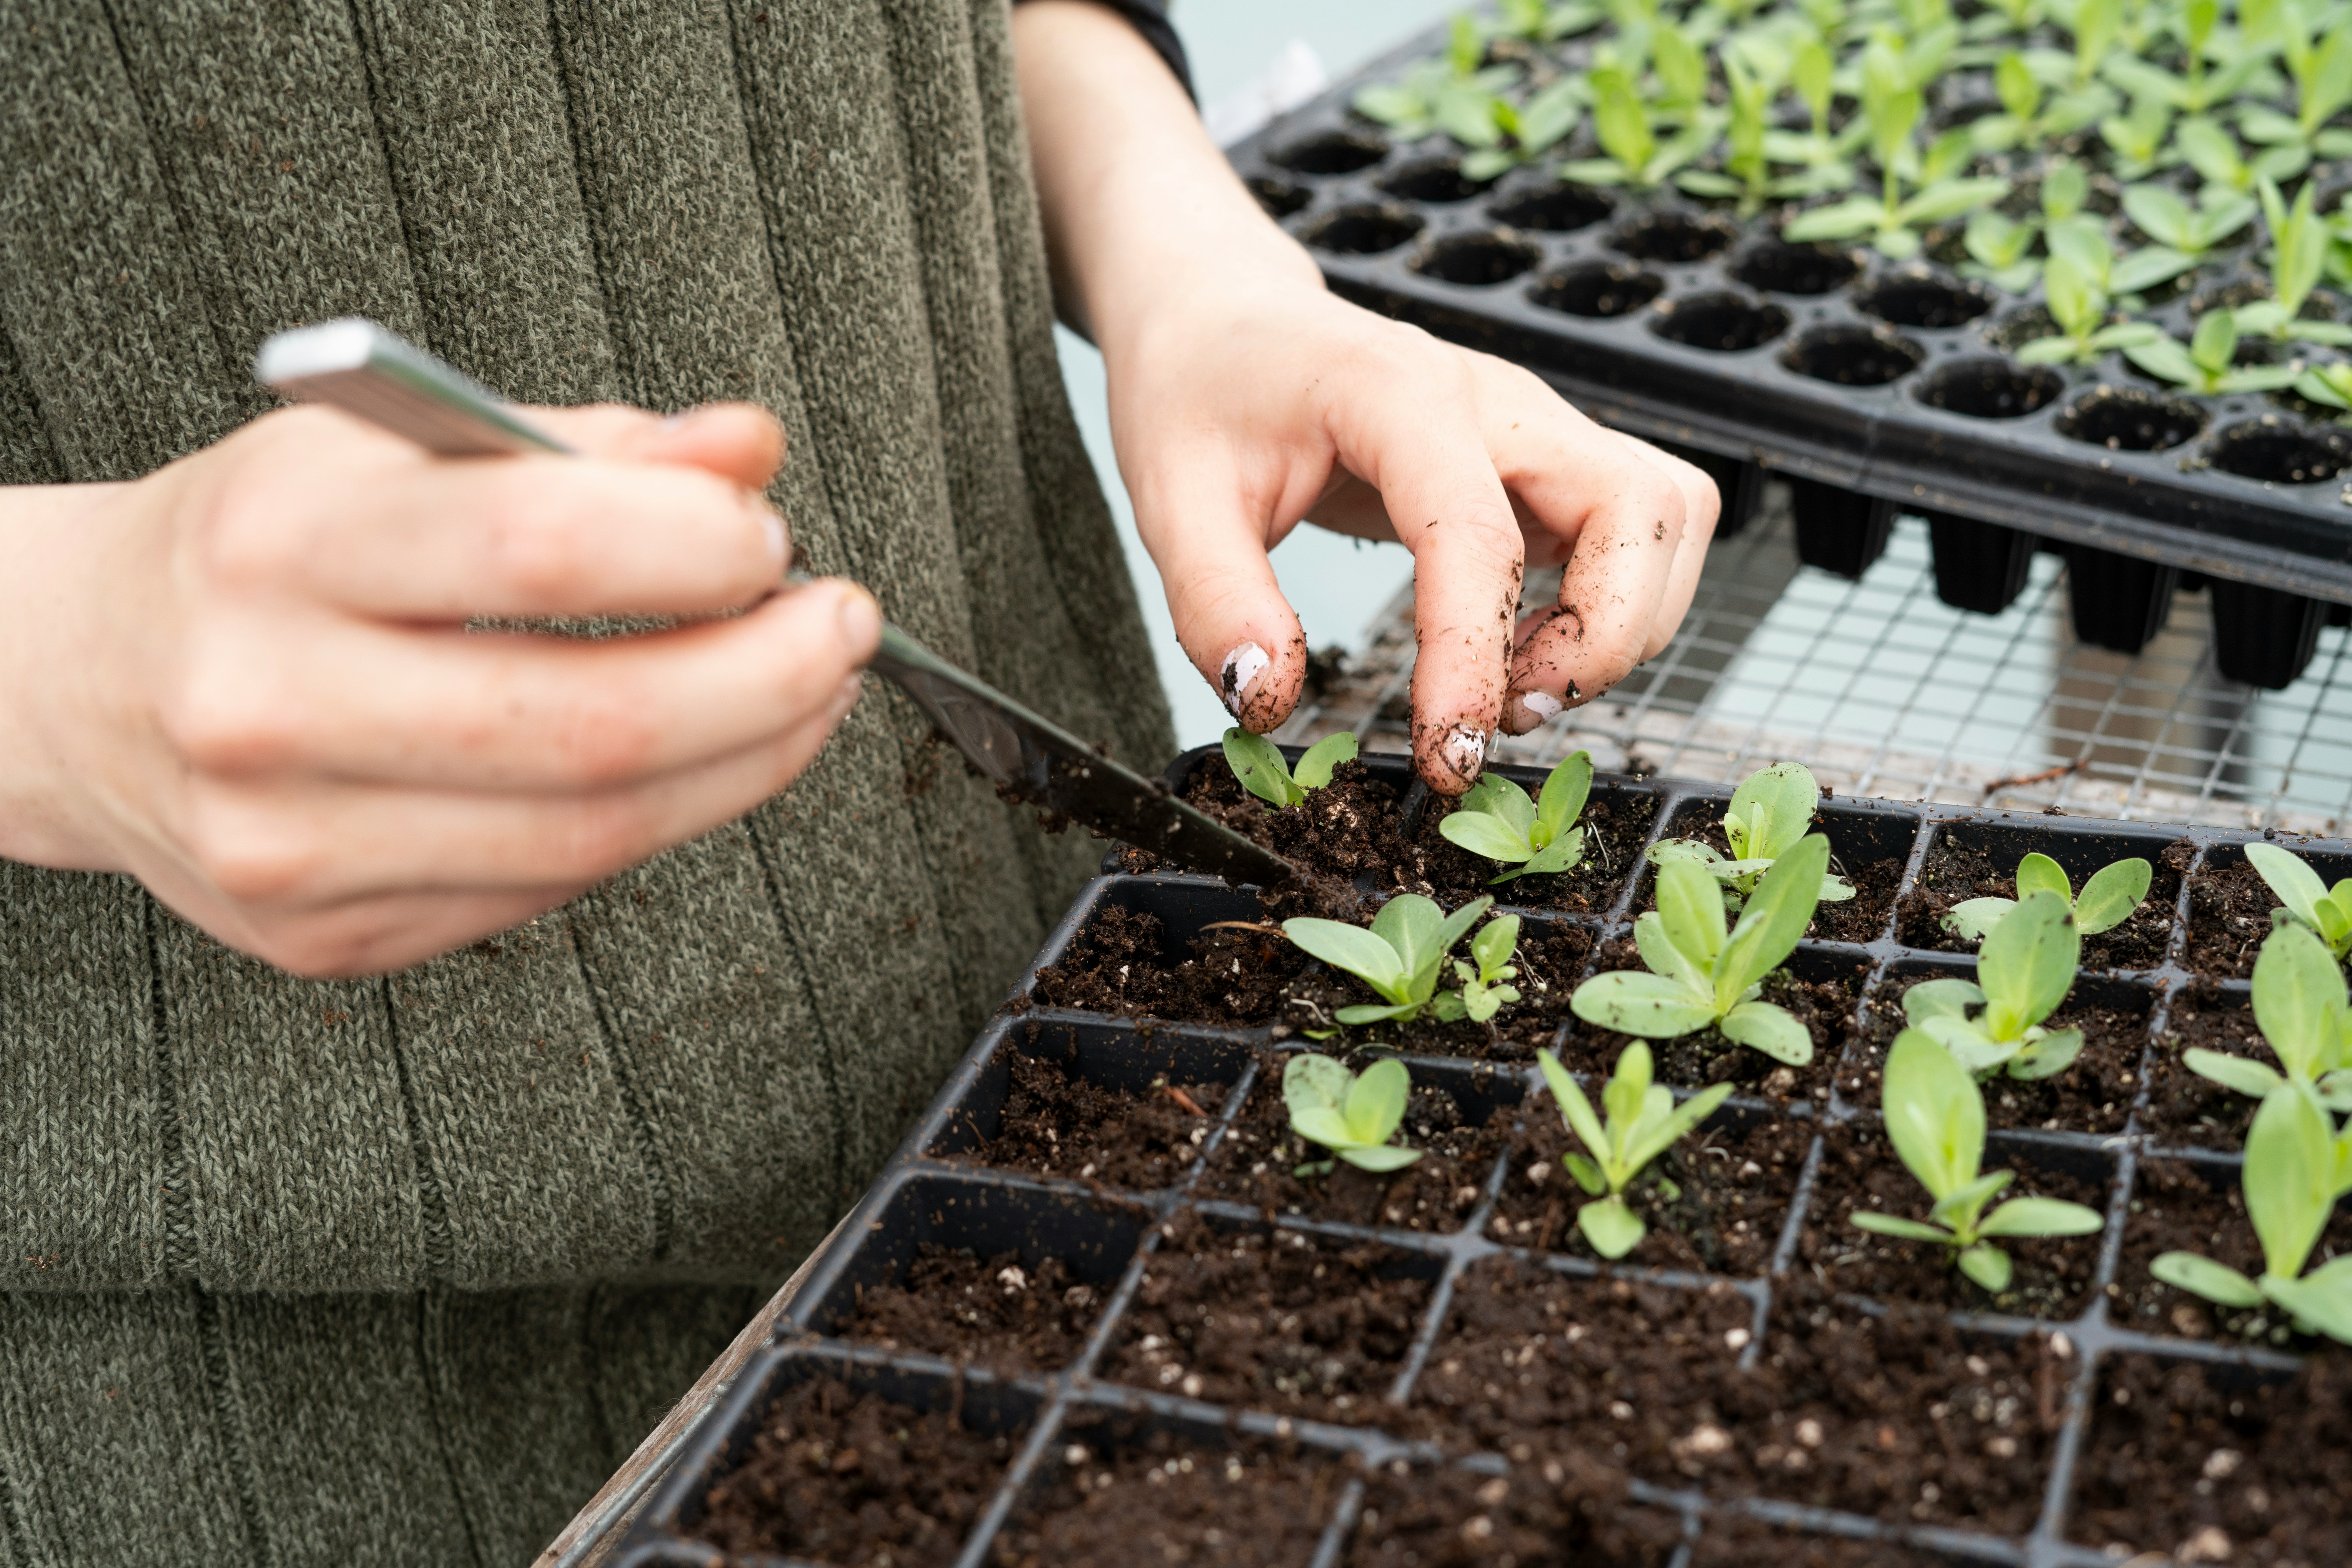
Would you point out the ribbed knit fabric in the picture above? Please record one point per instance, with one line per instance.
(394, 1272)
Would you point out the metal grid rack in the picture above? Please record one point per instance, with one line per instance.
(1883, 690)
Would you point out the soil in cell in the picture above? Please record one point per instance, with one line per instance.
(1955, 873)
(2094, 1094)
(1258, 1160)
(994, 1311)
(1056, 1124)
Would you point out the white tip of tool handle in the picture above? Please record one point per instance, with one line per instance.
(305, 352)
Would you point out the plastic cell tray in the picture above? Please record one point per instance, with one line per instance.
(1872, 385)
(936, 1190)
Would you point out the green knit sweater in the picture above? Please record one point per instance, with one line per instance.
(396, 1270)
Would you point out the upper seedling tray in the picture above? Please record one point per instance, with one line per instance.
(1691, 318)
(1762, 1377)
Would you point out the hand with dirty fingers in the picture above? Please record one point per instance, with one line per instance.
(1245, 398)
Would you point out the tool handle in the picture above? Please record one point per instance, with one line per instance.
(362, 369)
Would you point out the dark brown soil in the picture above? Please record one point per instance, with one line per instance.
(1613, 839)
(1350, 827)
(1568, 1509)
(1861, 918)
(2184, 1110)
(1736, 1540)
(993, 1311)
(1550, 959)
(2094, 1094)
(2176, 1453)
(2229, 915)
(1859, 1170)
(1057, 1124)
(1826, 1007)
(1736, 1187)
(1272, 1320)
(1256, 1159)
(850, 1479)
(2179, 1206)
(1234, 976)
(1154, 1499)
(1954, 874)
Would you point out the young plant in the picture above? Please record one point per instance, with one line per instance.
(2024, 971)
(1746, 173)
(1353, 1115)
(1698, 975)
(1528, 130)
(2108, 898)
(2208, 363)
(1893, 103)
(2301, 1007)
(2141, 140)
(1769, 814)
(1452, 93)
(2031, 115)
(2079, 306)
(1997, 244)
(2299, 245)
(1623, 125)
(1935, 1119)
(2187, 231)
(2308, 900)
(1644, 1122)
(1399, 957)
(2323, 85)
(1822, 154)
(1483, 986)
(1540, 23)
(2084, 241)
(2194, 90)
(2329, 385)
(1497, 820)
(1258, 766)
(2294, 1172)
(2213, 151)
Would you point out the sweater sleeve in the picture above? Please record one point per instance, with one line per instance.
(1150, 17)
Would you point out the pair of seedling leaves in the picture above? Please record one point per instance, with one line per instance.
(1495, 819)
(1643, 1123)
(1353, 1115)
(1259, 768)
(1768, 817)
(1935, 1119)
(2300, 1006)
(1404, 953)
(2107, 900)
(2024, 971)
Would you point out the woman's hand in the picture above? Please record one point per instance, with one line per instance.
(244, 680)
(1245, 397)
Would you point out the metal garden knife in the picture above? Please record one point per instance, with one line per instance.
(363, 369)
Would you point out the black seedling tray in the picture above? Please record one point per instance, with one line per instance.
(1873, 386)
(938, 1189)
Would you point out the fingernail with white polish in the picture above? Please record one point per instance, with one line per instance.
(1543, 705)
(1238, 675)
(1464, 752)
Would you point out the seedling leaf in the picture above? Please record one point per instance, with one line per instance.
(1314, 769)
(1257, 764)
(2203, 1277)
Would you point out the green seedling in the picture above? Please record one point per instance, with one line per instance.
(2306, 899)
(1892, 105)
(2024, 971)
(2300, 1006)
(1623, 125)
(1822, 155)
(1452, 93)
(1747, 172)
(1644, 1122)
(2213, 151)
(2299, 245)
(2295, 1172)
(1495, 819)
(2195, 89)
(1698, 975)
(2329, 385)
(1768, 815)
(2031, 115)
(2208, 363)
(1935, 1119)
(2108, 898)
(2083, 240)
(1540, 23)
(2079, 307)
(1529, 130)
(1999, 245)
(1484, 982)
(1354, 1115)
(2322, 73)
(1399, 957)
(2141, 140)
(2188, 231)
(1257, 764)
(2005, 18)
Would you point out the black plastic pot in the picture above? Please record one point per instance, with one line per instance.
(1891, 384)
(939, 1188)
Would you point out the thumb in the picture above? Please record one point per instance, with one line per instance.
(1238, 630)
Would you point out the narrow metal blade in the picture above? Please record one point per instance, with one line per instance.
(1032, 759)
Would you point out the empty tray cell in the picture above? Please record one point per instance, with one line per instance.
(2186, 1110)
(1184, 948)
(1330, 153)
(2279, 451)
(1597, 288)
(1738, 484)
(1776, 267)
(1838, 530)
(2262, 636)
(2216, 1463)
(1555, 1508)
(2198, 1205)
(1119, 1486)
(1458, 1116)
(2126, 419)
(1978, 859)
(826, 1461)
(1274, 1320)
(1673, 236)
(1986, 386)
(1479, 260)
(1870, 841)
(1280, 198)
(977, 1271)
(1720, 321)
(2230, 905)
(1979, 566)
(1091, 1102)
(2119, 601)
(1714, 1203)
(1853, 356)
(2051, 1275)
(1433, 180)
(1923, 298)
(1362, 229)
(1553, 208)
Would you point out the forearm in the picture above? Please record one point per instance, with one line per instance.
(1141, 207)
